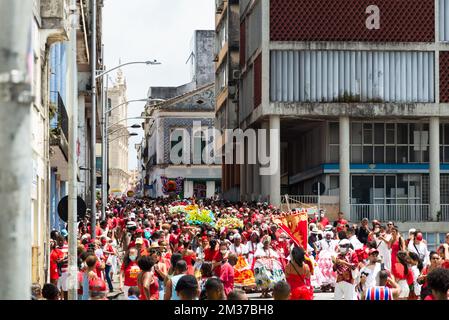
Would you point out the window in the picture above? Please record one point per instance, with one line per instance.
(390, 143)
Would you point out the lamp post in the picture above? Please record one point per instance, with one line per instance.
(97, 74)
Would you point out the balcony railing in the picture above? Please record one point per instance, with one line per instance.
(393, 212)
(444, 212)
(60, 127)
(301, 199)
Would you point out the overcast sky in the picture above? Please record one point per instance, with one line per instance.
(140, 30)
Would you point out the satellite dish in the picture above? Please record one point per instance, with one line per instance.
(63, 209)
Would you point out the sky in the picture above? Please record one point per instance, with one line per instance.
(141, 30)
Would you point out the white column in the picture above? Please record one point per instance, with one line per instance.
(275, 153)
(188, 189)
(265, 180)
(345, 175)
(434, 167)
(243, 181)
(249, 179)
(210, 189)
(256, 182)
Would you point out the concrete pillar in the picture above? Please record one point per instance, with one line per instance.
(249, 175)
(257, 182)
(265, 180)
(345, 173)
(210, 189)
(275, 153)
(188, 188)
(243, 181)
(434, 166)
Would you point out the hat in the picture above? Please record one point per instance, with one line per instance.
(139, 230)
(187, 282)
(237, 236)
(413, 230)
(372, 250)
(344, 242)
(64, 233)
(132, 215)
(139, 241)
(312, 225)
(97, 285)
(328, 227)
(154, 245)
(315, 230)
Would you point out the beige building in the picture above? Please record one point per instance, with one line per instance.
(118, 137)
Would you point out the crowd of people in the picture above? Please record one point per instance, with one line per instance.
(161, 253)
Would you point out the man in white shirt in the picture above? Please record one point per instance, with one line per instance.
(420, 248)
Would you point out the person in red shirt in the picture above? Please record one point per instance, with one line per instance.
(403, 274)
(227, 272)
(56, 256)
(210, 251)
(443, 251)
(346, 262)
(129, 271)
(341, 222)
(219, 257)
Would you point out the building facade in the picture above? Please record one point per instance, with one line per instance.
(360, 99)
(227, 75)
(118, 137)
(184, 107)
(49, 119)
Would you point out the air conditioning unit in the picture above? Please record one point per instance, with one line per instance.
(236, 74)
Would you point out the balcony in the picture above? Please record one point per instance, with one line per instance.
(54, 16)
(393, 212)
(59, 134)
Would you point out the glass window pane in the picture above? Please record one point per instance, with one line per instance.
(334, 156)
(390, 185)
(402, 134)
(402, 156)
(402, 187)
(334, 133)
(356, 155)
(390, 154)
(390, 133)
(415, 156)
(334, 182)
(379, 132)
(379, 154)
(430, 238)
(425, 156)
(414, 187)
(446, 154)
(361, 189)
(442, 154)
(446, 133)
(379, 191)
(356, 134)
(368, 154)
(367, 133)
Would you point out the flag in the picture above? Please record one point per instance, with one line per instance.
(296, 226)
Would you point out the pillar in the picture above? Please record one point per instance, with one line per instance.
(434, 167)
(249, 174)
(345, 173)
(210, 189)
(188, 189)
(265, 180)
(275, 153)
(256, 182)
(243, 181)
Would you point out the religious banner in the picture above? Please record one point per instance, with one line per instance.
(172, 186)
(295, 226)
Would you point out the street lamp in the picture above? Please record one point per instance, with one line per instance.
(134, 126)
(97, 74)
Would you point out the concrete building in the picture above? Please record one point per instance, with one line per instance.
(118, 137)
(227, 75)
(184, 106)
(49, 120)
(361, 101)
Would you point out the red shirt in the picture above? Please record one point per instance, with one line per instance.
(131, 272)
(98, 270)
(146, 244)
(55, 255)
(217, 258)
(209, 254)
(445, 264)
(227, 277)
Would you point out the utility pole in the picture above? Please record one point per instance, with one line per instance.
(93, 172)
(15, 149)
(105, 151)
(73, 155)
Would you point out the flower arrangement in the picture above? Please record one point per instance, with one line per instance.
(178, 209)
(230, 223)
(195, 216)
